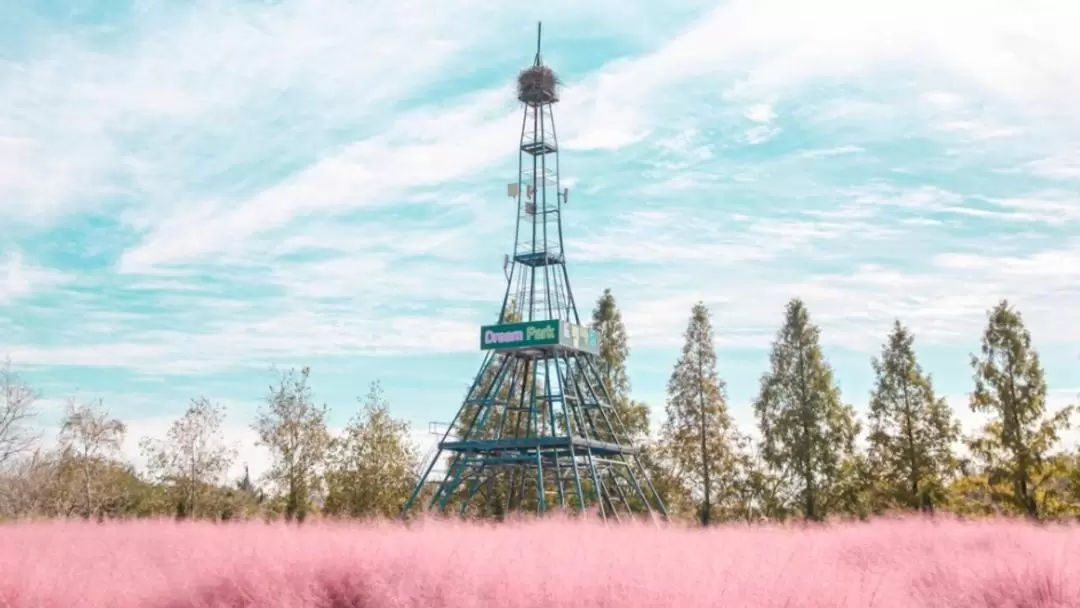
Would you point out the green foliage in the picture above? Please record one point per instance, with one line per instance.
(807, 432)
(193, 458)
(1015, 446)
(89, 440)
(911, 430)
(805, 463)
(667, 481)
(294, 431)
(698, 433)
(373, 464)
(614, 351)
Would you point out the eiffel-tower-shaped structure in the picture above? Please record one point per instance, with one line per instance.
(537, 431)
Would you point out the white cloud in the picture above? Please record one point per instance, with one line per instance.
(188, 80)
(19, 279)
(768, 46)
(700, 224)
(412, 153)
(278, 339)
(1065, 165)
(979, 130)
(943, 100)
(1056, 399)
(747, 275)
(830, 152)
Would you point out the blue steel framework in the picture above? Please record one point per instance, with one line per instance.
(539, 417)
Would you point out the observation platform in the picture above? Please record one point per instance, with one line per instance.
(576, 446)
(534, 259)
(539, 148)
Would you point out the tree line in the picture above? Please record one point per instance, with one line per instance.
(813, 456)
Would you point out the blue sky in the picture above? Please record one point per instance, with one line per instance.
(193, 193)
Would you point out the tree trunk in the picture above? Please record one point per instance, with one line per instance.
(913, 478)
(706, 510)
(808, 461)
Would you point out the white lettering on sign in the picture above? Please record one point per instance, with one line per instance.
(541, 333)
(500, 337)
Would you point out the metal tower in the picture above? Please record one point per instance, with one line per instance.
(537, 430)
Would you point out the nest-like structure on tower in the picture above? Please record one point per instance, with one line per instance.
(538, 84)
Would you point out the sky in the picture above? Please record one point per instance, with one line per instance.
(196, 194)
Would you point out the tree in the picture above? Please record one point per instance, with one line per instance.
(1016, 444)
(194, 458)
(90, 441)
(17, 411)
(912, 431)
(614, 350)
(698, 430)
(374, 463)
(294, 430)
(668, 480)
(807, 433)
(24, 486)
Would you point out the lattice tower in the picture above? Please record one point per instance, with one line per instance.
(537, 430)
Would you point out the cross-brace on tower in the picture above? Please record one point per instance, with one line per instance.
(537, 429)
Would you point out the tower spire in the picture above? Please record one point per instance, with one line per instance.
(538, 60)
(537, 429)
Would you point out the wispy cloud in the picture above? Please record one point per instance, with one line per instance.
(19, 279)
(203, 189)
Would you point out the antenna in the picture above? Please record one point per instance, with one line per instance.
(538, 24)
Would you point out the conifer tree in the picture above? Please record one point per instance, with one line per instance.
(698, 431)
(1016, 444)
(614, 350)
(805, 428)
(911, 431)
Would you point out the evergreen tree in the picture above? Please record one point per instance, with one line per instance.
(698, 431)
(805, 428)
(1016, 444)
(614, 350)
(912, 431)
(294, 430)
(374, 463)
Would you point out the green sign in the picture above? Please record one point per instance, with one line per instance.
(519, 335)
(551, 332)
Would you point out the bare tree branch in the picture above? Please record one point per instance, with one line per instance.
(17, 411)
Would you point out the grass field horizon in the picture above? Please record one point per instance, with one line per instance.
(897, 562)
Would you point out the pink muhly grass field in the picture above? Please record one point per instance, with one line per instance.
(889, 563)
